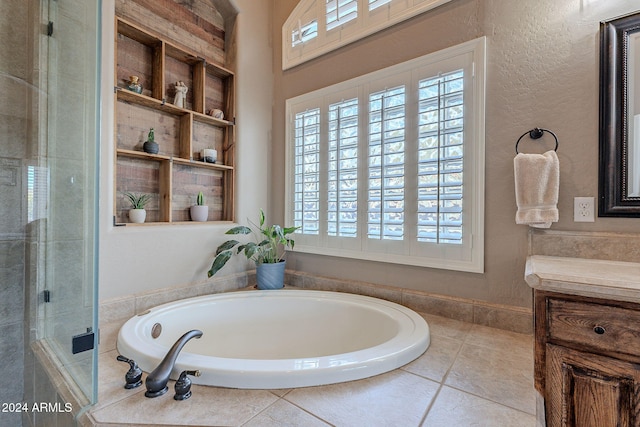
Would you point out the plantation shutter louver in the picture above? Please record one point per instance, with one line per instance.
(374, 4)
(340, 12)
(307, 172)
(342, 200)
(440, 158)
(385, 216)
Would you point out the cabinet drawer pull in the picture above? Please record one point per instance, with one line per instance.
(599, 330)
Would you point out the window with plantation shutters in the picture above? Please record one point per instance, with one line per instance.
(316, 27)
(37, 192)
(390, 166)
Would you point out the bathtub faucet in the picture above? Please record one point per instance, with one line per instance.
(157, 380)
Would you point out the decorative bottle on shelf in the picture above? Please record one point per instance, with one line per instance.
(134, 85)
(150, 146)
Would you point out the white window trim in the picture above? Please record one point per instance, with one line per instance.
(438, 256)
(365, 24)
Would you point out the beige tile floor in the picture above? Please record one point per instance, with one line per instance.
(470, 376)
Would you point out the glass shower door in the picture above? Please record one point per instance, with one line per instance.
(69, 318)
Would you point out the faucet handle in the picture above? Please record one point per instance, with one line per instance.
(183, 385)
(133, 377)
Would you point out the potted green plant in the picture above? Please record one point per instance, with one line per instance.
(199, 211)
(267, 251)
(137, 213)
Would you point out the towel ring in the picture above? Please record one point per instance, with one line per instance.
(536, 133)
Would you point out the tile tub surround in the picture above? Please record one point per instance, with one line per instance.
(51, 383)
(469, 373)
(583, 244)
(515, 319)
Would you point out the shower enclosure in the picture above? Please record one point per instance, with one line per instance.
(49, 127)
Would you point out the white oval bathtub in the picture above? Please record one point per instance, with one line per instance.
(279, 338)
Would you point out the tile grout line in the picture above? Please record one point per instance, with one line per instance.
(262, 411)
(444, 378)
(489, 400)
(464, 341)
(306, 410)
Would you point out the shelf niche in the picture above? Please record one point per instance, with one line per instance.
(176, 174)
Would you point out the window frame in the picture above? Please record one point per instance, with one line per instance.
(468, 256)
(366, 23)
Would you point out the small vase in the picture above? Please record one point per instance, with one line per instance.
(151, 147)
(199, 213)
(134, 85)
(270, 275)
(137, 216)
(209, 155)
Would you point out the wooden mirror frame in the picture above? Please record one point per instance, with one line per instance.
(614, 136)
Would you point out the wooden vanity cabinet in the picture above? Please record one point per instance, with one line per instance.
(587, 360)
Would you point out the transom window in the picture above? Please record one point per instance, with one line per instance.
(390, 166)
(316, 27)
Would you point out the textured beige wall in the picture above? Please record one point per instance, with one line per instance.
(542, 71)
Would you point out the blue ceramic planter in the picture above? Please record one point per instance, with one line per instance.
(270, 276)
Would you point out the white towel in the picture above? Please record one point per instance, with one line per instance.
(537, 178)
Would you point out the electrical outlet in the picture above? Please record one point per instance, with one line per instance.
(583, 209)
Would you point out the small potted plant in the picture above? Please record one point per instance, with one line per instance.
(151, 146)
(267, 251)
(199, 211)
(137, 213)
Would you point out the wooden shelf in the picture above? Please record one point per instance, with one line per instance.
(161, 105)
(149, 102)
(175, 175)
(142, 155)
(201, 164)
(162, 157)
(134, 32)
(147, 224)
(205, 118)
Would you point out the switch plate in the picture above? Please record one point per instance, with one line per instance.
(583, 209)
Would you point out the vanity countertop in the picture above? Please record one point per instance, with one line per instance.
(596, 278)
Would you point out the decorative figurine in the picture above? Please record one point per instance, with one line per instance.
(134, 85)
(181, 94)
